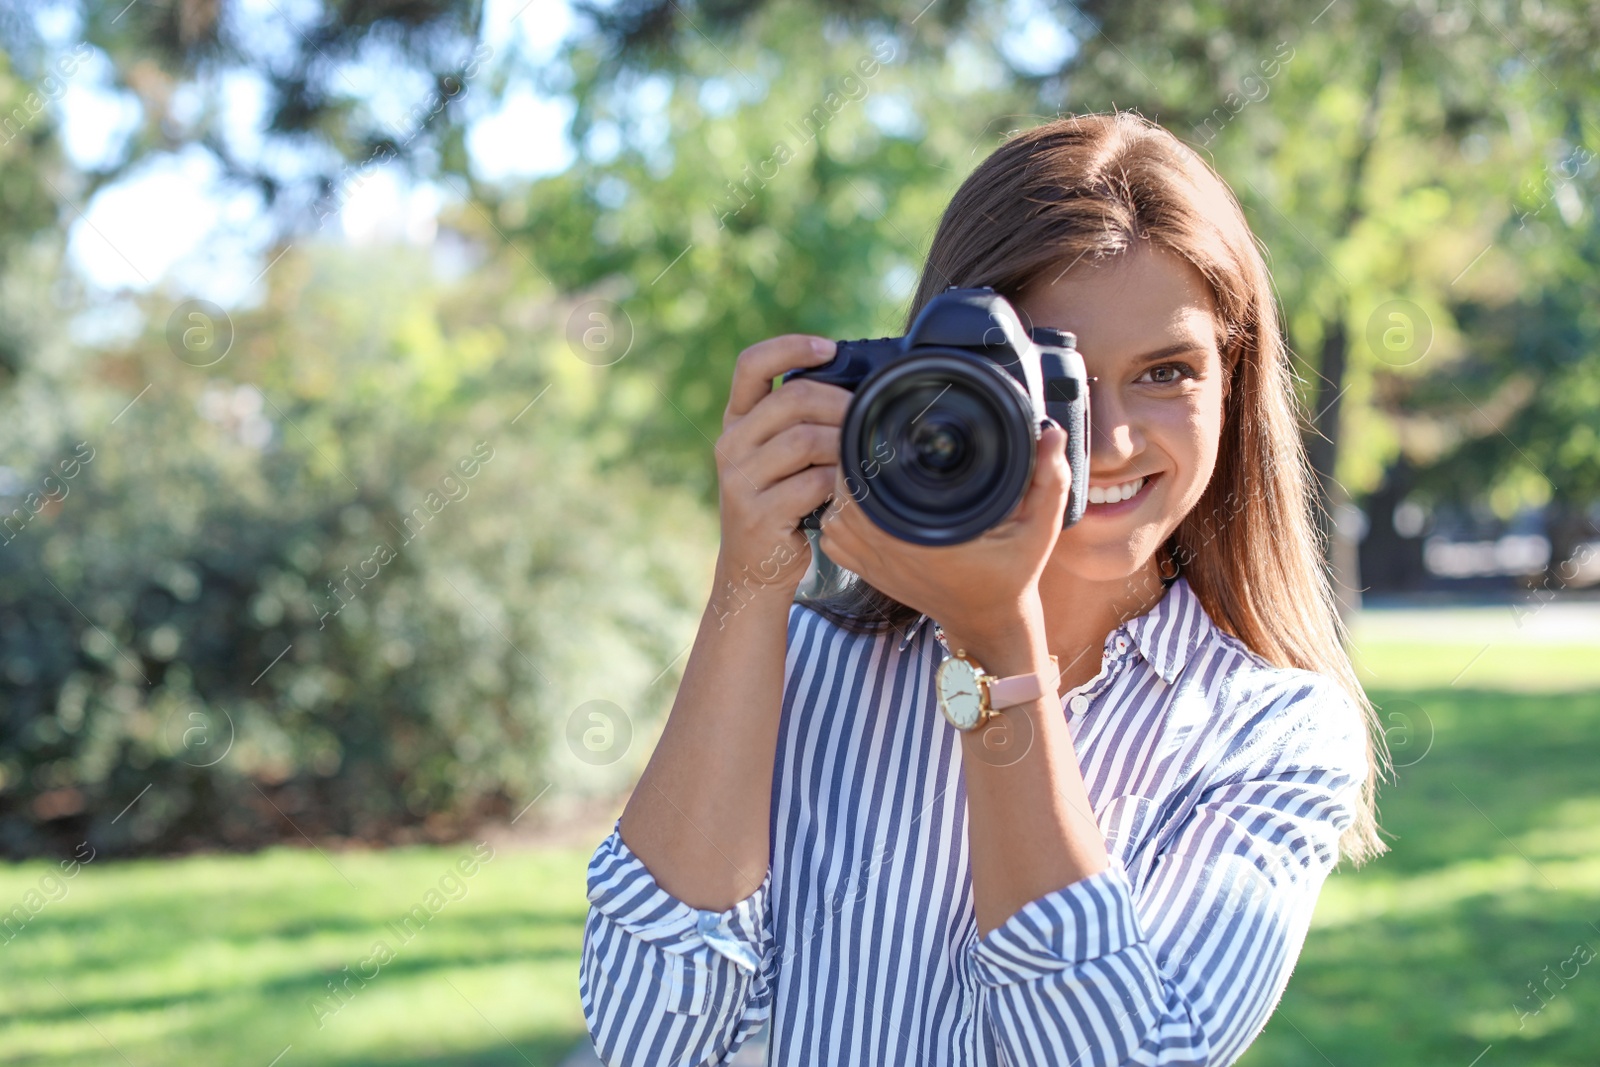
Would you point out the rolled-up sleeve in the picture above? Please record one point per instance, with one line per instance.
(662, 982)
(1187, 968)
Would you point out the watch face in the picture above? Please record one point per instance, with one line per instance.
(959, 695)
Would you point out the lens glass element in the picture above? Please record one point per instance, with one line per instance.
(951, 443)
(941, 444)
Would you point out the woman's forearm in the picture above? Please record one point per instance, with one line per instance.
(1030, 827)
(699, 818)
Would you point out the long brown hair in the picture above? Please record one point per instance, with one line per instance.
(1089, 187)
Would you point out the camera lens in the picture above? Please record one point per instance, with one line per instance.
(939, 446)
(943, 436)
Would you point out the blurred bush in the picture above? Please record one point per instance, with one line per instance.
(344, 580)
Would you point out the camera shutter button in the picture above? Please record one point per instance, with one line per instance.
(1049, 335)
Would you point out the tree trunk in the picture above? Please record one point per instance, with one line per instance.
(1568, 527)
(1335, 510)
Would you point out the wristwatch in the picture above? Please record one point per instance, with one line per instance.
(969, 697)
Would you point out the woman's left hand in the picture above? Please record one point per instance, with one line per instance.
(985, 587)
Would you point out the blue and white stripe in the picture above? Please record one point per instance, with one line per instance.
(1222, 784)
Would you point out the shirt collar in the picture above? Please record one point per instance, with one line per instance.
(1168, 633)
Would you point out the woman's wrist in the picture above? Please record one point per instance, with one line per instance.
(1005, 641)
(738, 589)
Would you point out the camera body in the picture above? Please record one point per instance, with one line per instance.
(938, 443)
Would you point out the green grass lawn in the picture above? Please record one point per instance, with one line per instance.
(1432, 954)
(1421, 958)
(222, 960)
(1426, 955)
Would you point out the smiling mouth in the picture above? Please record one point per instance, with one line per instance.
(1120, 497)
(1112, 494)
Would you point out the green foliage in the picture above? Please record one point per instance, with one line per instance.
(1529, 381)
(355, 574)
(762, 189)
(28, 158)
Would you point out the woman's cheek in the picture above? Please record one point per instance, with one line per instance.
(1189, 434)
(1205, 432)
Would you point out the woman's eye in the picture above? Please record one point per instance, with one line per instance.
(1170, 373)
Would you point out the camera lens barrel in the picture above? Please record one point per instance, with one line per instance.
(939, 442)
(938, 447)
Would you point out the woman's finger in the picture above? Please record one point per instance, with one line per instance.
(799, 401)
(799, 494)
(764, 361)
(802, 445)
(1053, 469)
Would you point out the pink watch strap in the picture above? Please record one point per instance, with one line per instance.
(1017, 689)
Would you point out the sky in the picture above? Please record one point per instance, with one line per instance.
(174, 221)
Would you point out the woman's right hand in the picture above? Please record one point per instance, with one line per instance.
(776, 462)
(699, 818)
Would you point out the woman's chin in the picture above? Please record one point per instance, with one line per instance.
(1112, 564)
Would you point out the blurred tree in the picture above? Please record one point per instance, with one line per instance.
(338, 84)
(1377, 147)
(757, 188)
(356, 577)
(29, 163)
(1516, 421)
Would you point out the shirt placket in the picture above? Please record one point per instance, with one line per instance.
(1078, 700)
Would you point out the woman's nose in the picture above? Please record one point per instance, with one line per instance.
(1114, 439)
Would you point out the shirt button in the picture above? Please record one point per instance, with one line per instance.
(1079, 704)
(1122, 644)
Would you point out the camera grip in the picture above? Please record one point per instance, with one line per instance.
(852, 361)
(1078, 459)
(1067, 402)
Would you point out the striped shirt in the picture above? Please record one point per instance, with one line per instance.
(1222, 785)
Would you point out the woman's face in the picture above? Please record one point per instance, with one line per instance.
(1147, 328)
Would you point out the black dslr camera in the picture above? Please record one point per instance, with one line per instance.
(938, 442)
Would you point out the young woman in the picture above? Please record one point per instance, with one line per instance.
(1119, 871)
